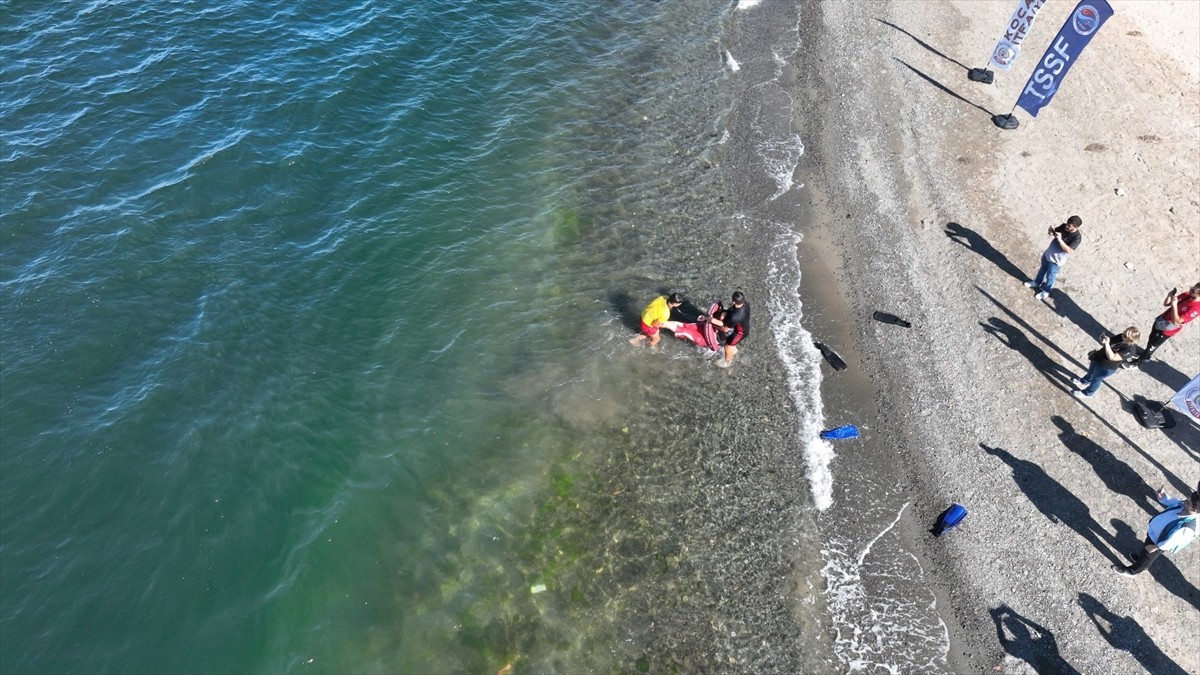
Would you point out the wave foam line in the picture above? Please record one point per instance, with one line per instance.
(801, 363)
(881, 627)
(734, 66)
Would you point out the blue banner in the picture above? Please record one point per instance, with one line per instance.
(1076, 33)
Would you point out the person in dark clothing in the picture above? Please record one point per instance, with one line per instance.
(733, 325)
(1107, 360)
(1064, 240)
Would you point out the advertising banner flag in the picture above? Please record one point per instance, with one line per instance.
(1009, 46)
(1076, 33)
(1187, 400)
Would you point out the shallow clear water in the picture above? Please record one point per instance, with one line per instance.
(306, 311)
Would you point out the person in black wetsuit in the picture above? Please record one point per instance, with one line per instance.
(733, 325)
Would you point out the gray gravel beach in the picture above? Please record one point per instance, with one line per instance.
(926, 210)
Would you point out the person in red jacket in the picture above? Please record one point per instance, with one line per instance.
(1180, 310)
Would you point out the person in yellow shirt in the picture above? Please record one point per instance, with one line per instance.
(657, 315)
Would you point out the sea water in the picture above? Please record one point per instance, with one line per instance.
(314, 322)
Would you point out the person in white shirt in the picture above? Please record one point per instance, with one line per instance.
(1170, 531)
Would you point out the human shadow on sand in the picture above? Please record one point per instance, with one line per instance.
(1013, 338)
(961, 234)
(1171, 377)
(924, 44)
(1065, 307)
(1060, 301)
(1187, 437)
(1125, 633)
(1030, 330)
(943, 87)
(1117, 475)
(1039, 358)
(1163, 571)
(1056, 502)
(1030, 642)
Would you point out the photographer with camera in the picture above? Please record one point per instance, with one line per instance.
(1064, 240)
(1107, 360)
(1180, 310)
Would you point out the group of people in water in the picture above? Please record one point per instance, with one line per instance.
(730, 324)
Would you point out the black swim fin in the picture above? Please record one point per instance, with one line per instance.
(892, 319)
(830, 356)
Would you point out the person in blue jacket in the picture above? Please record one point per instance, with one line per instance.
(1170, 531)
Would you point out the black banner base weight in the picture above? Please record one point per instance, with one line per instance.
(980, 75)
(1007, 122)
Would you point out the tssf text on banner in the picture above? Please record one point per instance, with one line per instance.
(1009, 46)
(1076, 33)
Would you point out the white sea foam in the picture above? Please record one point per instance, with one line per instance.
(732, 62)
(802, 363)
(780, 157)
(880, 628)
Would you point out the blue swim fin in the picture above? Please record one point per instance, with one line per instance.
(949, 518)
(847, 431)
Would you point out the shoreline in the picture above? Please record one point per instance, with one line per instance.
(966, 393)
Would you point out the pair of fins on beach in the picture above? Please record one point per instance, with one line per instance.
(839, 364)
(836, 361)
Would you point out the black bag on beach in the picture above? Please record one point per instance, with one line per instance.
(1148, 416)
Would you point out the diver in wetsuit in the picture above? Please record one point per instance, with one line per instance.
(733, 325)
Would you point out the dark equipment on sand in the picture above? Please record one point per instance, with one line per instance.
(949, 518)
(1152, 415)
(892, 319)
(830, 356)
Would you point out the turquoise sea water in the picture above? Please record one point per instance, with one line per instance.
(308, 316)
(313, 346)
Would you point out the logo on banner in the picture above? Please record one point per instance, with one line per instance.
(1086, 20)
(1064, 51)
(1005, 54)
(1015, 33)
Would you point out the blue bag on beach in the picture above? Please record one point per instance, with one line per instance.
(847, 431)
(949, 518)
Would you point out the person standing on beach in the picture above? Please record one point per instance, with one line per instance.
(1064, 240)
(1180, 310)
(732, 325)
(657, 315)
(1170, 531)
(1106, 361)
